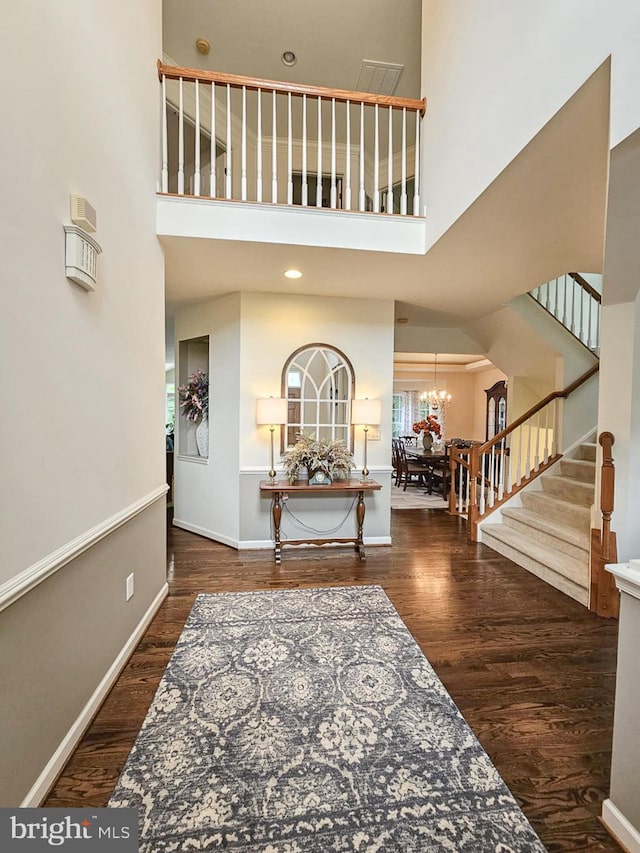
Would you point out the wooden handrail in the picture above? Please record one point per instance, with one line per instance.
(554, 395)
(174, 72)
(584, 284)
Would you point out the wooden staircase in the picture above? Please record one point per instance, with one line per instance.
(549, 535)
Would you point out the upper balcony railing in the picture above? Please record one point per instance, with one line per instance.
(247, 139)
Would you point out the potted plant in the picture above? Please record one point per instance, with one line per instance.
(430, 429)
(194, 402)
(323, 459)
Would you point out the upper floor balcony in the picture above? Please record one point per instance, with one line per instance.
(266, 161)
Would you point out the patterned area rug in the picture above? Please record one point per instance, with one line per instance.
(309, 720)
(415, 498)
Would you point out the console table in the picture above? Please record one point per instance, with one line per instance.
(279, 488)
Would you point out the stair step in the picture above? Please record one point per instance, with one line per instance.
(579, 469)
(587, 450)
(574, 543)
(571, 514)
(565, 573)
(568, 489)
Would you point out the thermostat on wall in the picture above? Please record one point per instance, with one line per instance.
(82, 214)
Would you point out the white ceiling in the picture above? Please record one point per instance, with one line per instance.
(543, 216)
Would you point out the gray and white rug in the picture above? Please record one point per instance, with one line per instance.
(309, 721)
(416, 498)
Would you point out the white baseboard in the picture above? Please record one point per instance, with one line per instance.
(43, 783)
(622, 830)
(204, 531)
(255, 544)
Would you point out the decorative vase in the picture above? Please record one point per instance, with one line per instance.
(202, 437)
(427, 440)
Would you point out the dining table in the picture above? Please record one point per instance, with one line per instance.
(431, 459)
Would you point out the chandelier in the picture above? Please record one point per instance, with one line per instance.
(437, 398)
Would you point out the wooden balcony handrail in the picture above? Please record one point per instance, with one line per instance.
(554, 395)
(584, 284)
(174, 72)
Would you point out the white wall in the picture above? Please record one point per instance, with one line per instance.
(494, 74)
(82, 373)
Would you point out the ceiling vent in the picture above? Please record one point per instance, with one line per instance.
(82, 214)
(381, 78)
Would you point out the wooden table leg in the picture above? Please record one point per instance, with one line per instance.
(360, 509)
(276, 512)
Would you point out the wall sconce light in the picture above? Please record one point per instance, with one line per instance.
(366, 413)
(271, 411)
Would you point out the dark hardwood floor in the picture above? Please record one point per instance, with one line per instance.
(531, 670)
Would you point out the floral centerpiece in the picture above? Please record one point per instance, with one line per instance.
(430, 429)
(333, 458)
(194, 396)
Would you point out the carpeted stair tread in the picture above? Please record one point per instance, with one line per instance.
(574, 570)
(587, 450)
(579, 469)
(570, 541)
(555, 508)
(568, 489)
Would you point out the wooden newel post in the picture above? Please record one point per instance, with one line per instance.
(607, 488)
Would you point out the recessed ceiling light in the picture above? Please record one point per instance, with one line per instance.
(289, 58)
(292, 274)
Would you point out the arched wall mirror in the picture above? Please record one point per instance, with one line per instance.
(496, 408)
(318, 385)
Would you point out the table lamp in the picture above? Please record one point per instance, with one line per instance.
(271, 411)
(366, 413)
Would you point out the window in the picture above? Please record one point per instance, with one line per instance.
(318, 383)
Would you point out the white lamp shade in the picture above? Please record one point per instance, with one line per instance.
(271, 410)
(366, 412)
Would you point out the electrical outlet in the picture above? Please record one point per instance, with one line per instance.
(130, 588)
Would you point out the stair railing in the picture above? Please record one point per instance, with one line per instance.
(243, 138)
(484, 476)
(605, 598)
(572, 301)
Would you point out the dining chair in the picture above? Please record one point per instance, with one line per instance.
(439, 477)
(409, 470)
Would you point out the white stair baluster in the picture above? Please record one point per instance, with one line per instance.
(228, 184)
(481, 502)
(416, 169)
(259, 150)
(212, 149)
(519, 456)
(362, 195)
(319, 157)
(165, 149)
(243, 152)
(528, 466)
(403, 185)
(334, 197)
(376, 161)
(289, 153)
(546, 434)
(389, 204)
(347, 165)
(305, 185)
(196, 164)
(180, 144)
(274, 151)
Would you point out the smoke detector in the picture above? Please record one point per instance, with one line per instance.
(203, 46)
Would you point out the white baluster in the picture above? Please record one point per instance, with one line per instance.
(376, 161)
(305, 185)
(416, 169)
(362, 194)
(546, 434)
(573, 306)
(527, 469)
(347, 178)
(228, 176)
(289, 153)
(519, 431)
(243, 152)
(274, 151)
(389, 204)
(582, 295)
(597, 331)
(589, 321)
(566, 295)
(180, 144)
(259, 150)
(196, 164)
(319, 157)
(403, 184)
(509, 463)
(165, 148)
(554, 443)
(334, 197)
(481, 461)
(538, 438)
(213, 152)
